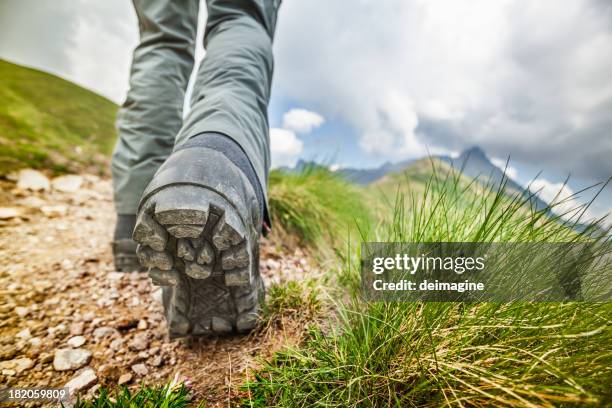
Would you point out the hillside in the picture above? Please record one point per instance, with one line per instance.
(48, 122)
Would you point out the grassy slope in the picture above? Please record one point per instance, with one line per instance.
(455, 354)
(48, 122)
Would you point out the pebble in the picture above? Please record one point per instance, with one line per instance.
(156, 361)
(22, 311)
(53, 211)
(76, 341)
(7, 213)
(272, 264)
(140, 369)
(25, 334)
(32, 202)
(17, 365)
(116, 344)
(70, 359)
(140, 342)
(59, 329)
(33, 180)
(89, 316)
(143, 325)
(157, 296)
(125, 379)
(67, 184)
(76, 329)
(82, 380)
(104, 331)
(35, 341)
(45, 358)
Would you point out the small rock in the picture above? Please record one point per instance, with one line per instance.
(89, 316)
(9, 373)
(76, 341)
(32, 202)
(17, 365)
(81, 381)
(25, 334)
(156, 361)
(55, 330)
(140, 369)
(45, 358)
(52, 211)
(104, 331)
(272, 264)
(140, 342)
(76, 329)
(35, 341)
(32, 180)
(6, 213)
(142, 325)
(125, 378)
(21, 311)
(91, 178)
(67, 184)
(70, 359)
(157, 296)
(116, 344)
(115, 276)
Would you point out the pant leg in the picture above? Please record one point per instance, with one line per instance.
(151, 115)
(232, 87)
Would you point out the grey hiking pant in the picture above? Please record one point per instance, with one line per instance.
(230, 95)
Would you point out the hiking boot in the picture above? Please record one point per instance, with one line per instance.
(198, 226)
(124, 247)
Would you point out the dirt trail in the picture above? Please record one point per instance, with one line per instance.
(58, 289)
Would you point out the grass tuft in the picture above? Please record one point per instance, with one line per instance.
(452, 354)
(316, 205)
(171, 395)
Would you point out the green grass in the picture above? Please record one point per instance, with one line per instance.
(316, 205)
(171, 395)
(47, 122)
(451, 354)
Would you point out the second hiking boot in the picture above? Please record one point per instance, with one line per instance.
(198, 227)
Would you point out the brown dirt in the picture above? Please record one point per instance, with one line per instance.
(57, 280)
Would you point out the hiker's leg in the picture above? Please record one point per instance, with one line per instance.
(232, 88)
(199, 220)
(151, 115)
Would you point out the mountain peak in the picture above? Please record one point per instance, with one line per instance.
(474, 152)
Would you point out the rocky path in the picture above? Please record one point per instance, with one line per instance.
(68, 319)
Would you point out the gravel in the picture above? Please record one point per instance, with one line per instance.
(70, 359)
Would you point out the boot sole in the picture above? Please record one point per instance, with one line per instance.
(205, 257)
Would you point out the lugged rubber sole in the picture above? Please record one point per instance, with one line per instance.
(198, 248)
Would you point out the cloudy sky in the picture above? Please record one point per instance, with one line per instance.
(358, 82)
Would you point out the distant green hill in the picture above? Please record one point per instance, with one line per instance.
(48, 122)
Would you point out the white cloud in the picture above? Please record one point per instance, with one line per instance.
(335, 167)
(302, 120)
(285, 147)
(516, 77)
(561, 197)
(511, 171)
